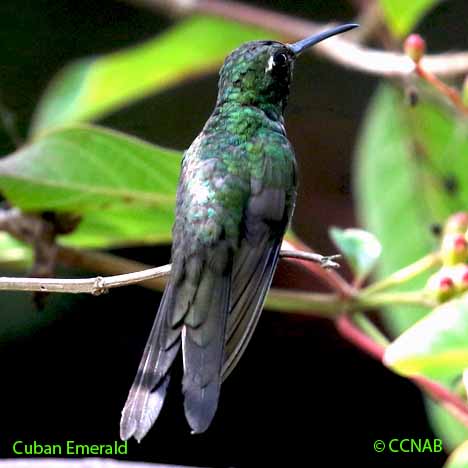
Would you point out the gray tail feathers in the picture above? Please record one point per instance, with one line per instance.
(203, 345)
(148, 391)
(194, 307)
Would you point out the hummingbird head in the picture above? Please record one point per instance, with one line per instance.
(259, 73)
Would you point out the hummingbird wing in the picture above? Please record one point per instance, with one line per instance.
(266, 218)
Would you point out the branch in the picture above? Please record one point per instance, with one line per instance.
(99, 285)
(331, 278)
(339, 49)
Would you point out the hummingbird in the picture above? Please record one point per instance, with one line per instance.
(235, 199)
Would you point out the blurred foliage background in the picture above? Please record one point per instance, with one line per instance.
(301, 393)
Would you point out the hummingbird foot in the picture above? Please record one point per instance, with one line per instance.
(324, 261)
(329, 261)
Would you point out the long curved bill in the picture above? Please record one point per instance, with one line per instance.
(300, 46)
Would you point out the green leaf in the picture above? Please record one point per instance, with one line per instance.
(123, 188)
(360, 248)
(13, 251)
(82, 169)
(404, 158)
(443, 422)
(123, 226)
(93, 87)
(459, 458)
(402, 15)
(436, 346)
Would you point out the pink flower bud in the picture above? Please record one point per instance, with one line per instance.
(457, 223)
(441, 285)
(415, 47)
(454, 249)
(459, 275)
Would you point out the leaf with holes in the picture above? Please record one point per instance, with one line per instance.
(410, 173)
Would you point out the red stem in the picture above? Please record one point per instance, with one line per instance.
(451, 93)
(454, 404)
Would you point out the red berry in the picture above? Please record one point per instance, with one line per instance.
(454, 249)
(464, 277)
(415, 47)
(445, 283)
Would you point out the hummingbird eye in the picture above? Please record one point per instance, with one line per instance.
(277, 63)
(280, 59)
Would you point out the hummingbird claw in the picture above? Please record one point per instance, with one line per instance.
(328, 261)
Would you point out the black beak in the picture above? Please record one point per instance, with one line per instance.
(300, 46)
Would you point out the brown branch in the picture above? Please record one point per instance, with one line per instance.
(30, 228)
(99, 285)
(340, 49)
(450, 401)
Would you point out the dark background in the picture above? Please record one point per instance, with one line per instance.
(301, 395)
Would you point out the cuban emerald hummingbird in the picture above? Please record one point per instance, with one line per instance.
(235, 199)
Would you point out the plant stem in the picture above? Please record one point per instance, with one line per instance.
(454, 404)
(405, 274)
(376, 300)
(370, 329)
(451, 93)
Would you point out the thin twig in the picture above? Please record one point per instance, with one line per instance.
(331, 278)
(108, 264)
(322, 260)
(99, 285)
(339, 49)
(96, 286)
(30, 229)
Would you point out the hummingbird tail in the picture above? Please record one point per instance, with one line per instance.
(146, 396)
(203, 338)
